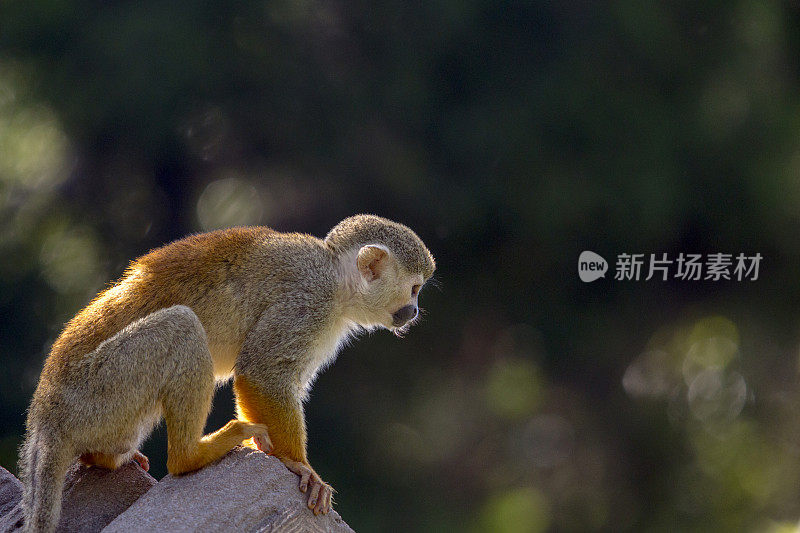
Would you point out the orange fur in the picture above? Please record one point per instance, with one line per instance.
(104, 460)
(283, 420)
(210, 448)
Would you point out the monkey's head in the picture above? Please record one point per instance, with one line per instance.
(386, 264)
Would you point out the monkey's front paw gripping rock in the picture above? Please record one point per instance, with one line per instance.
(320, 494)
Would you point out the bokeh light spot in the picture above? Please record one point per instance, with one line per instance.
(523, 510)
(713, 342)
(649, 376)
(34, 151)
(513, 388)
(229, 202)
(715, 396)
(69, 261)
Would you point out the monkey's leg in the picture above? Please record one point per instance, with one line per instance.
(283, 417)
(103, 460)
(187, 451)
(112, 462)
(186, 400)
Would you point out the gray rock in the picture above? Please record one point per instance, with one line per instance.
(93, 497)
(10, 496)
(247, 491)
(10, 491)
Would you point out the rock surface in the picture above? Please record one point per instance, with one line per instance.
(10, 496)
(246, 491)
(93, 497)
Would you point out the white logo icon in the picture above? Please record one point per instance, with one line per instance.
(591, 266)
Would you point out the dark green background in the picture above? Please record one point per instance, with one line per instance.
(511, 136)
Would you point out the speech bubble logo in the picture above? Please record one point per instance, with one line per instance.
(591, 266)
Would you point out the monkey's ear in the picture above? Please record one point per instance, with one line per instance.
(372, 261)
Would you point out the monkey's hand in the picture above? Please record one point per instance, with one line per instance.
(320, 494)
(320, 497)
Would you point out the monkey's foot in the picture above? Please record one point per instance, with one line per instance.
(320, 494)
(258, 432)
(142, 460)
(114, 461)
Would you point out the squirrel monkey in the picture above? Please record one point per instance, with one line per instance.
(270, 309)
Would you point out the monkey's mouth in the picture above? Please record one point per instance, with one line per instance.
(403, 319)
(404, 315)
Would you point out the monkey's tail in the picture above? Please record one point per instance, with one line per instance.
(43, 467)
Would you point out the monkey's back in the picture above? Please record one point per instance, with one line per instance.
(185, 272)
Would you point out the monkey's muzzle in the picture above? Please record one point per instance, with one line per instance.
(404, 315)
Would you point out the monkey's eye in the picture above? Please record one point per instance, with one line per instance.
(414, 290)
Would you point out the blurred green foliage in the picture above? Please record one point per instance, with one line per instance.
(511, 136)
